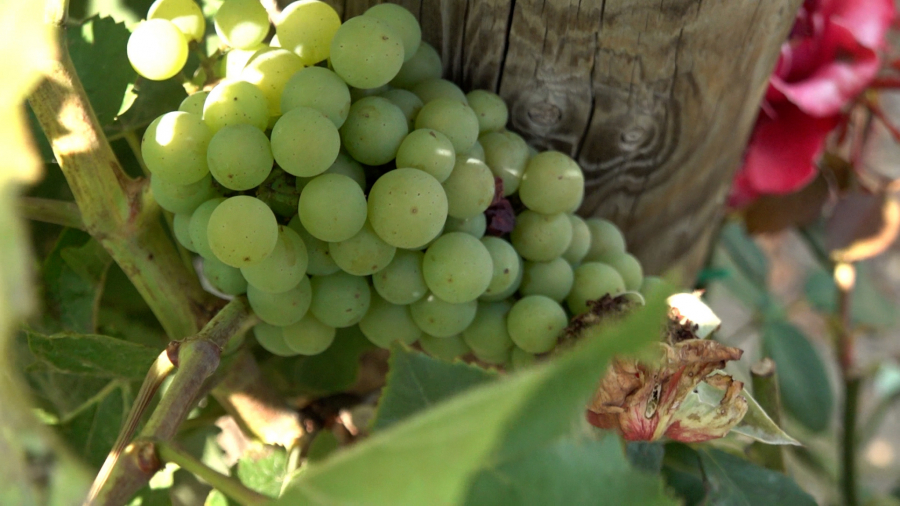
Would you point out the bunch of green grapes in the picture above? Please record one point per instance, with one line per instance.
(338, 181)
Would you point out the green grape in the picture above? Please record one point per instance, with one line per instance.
(505, 294)
(308, 336)
(581, 240)
(199, 225)
(408, 103)
(363, 254)
(402, 282)
(193, 104)
(654, 284)
(305, 142)
(306, 28)
(475, 226)
(469, 189)
(320, 261)
(374, 130)
(490, 109)
(487, 335)
(185, 14)
(500, 358)
(628, 267)
(357, 94)
(551, 279)
(242, 231)
(174, 147)
(427, 150)
(520, 359)
(271, 338)
(366, 52)
(241, 23)
(181, 226)
(224, 278)
(157, 49)
(452, 118)
(592, 281)
(344, 165)
(283, 268)
(457, 267)
(332, 208)
(320, 89)
(340, 299)
(477, 152)
(240, 157)
(535, 322)
(442, 319)
(177, 198)
(283, 308)
(506, 264)
(432, 89)
(235, 102)
(402, 22)
(444, 348)
(424, 64)
(606, 239)
(270, 71)
(552, 183)
(541, 237)
(236, 59)
(407, 208)
(385, 323)
(506, 153)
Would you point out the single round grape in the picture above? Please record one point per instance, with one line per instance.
(340, 299)
(305, 142)
(402, 282)
(581, 240)
(332, 208)
(452, 118)
(240, 157)
(408, 103)
(505, 263)
(552, 183)
(283, 308)
(402, 22)
(656, 285)
(181, 224)
(407, 208)
(606, 239)
(363, 254)
(487, 335)
(476, 152)
(505, 294)
(374, 130)
(271, 338)
(592, 281)
(366, 52)
(174, 147)
(428, 150)
(320, 89)
(551, 279)
(442, 319)
(490, 109)
(520, 359)
(535, 322)
(475, 226)
(193, 104)
(432, 89)
(308, 336)
(235, 102)
(283, 268)
(320, 261)
(344, 165)
(185, 14)
(424, 64)
(628, 267)
(177, 198)
(270, 71)
(224, 278)
(306, 28)
(157, 49)
(444, 348)
(236, 59)
(506, 153)
(242, 231)
(200, 224)
(385, 323)
(241, 23)
(457, 267)
(541, 237)
(469, 189)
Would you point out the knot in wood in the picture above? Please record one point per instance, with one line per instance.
(545, 114)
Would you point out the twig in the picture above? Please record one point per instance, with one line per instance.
(845, 279)
(765, 391)
(58, 212)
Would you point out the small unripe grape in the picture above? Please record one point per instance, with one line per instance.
(185, 14)
(592, 281)
(242, 23)
(157, 49)
(535, 323)
(307, 28)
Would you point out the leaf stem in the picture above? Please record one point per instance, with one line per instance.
(58, 212)
(765, 391)
(845, 279)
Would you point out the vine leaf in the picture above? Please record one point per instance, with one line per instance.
(92, 355)
(264, 470)
(74, 274)
(755, 423)
(735, 481)
(92, 429)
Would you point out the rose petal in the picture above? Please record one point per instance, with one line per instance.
(867, 20)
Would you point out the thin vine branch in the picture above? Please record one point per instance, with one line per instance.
(845, 279)
(58, 212)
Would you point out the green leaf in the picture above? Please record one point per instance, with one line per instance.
(416, 382)
(430, 457)
(682, 472)
(758, 425)
(870, 307)
(94, 428)
(74, 274)
(264, 470)
(323, 444)
(93, 355)
(805, 390)
(735, 481)
(144, 102)
(645, 455)
(746, 255)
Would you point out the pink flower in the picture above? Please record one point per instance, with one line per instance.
(829, 59)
